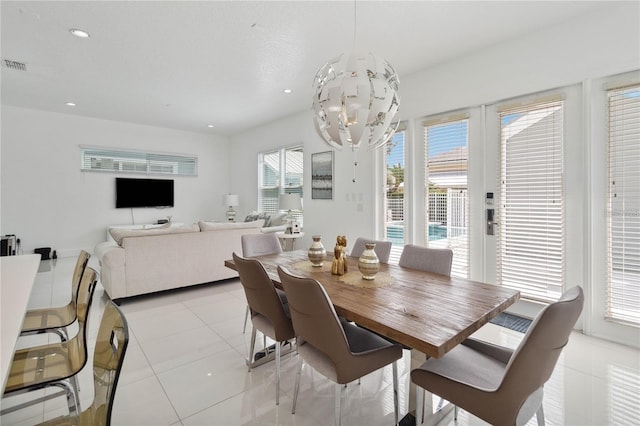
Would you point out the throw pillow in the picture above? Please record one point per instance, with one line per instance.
(277, 219)
(251, 216)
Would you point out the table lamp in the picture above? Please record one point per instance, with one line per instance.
(231, 201)
(291, 202)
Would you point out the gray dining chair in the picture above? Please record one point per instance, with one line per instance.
(499, 385)
(269, 314)
(382, 248)
(340, 351)
(258, 245)
(426, 259)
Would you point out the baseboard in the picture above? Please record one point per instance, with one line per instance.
(66, 252)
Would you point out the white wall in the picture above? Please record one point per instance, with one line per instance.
(582, 49)
(48, 202)
(350, 211)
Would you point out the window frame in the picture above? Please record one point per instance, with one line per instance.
(136, 162)
(282, 176)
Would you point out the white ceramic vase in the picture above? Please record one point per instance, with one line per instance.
(317, 252)
(369, 264)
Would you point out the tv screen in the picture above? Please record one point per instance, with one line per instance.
(144, 193)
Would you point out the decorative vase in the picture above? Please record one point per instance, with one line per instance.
(369, 264)
(317, 252)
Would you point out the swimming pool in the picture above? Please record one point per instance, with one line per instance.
(395, 232)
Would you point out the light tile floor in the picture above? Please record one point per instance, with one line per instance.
(185, 366)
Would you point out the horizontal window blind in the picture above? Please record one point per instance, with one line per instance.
(121, 161)
(623, 301)
(447, 219)
(531, 215)
(269, 182)
(293, 176)
(281, 172)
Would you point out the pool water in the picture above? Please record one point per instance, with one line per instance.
(395, 233)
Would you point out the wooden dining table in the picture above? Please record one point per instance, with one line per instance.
(427, 312)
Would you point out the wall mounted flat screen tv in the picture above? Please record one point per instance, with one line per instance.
(143, 193)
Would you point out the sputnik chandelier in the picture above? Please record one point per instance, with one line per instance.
(356, 100)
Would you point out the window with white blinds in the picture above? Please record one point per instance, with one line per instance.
(624, 206)
(149, 163)
(447, 219)
(281, 172)
(394, 206)
(531, 217)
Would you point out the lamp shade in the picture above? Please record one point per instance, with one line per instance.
(290, 202)
(231, 200)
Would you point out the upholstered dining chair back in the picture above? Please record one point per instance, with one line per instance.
(382, 248)
(426, 259)
(268, 308)
(497, 384)
(533, 361)
(262, 296)
(339, 350)
(260, 244)
(316, 323)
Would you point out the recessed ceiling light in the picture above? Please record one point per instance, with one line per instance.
(287, 91)
(79, 33)
(211, 126)
(70, 104)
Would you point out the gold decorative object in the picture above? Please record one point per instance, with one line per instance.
(317, 252)
(339, 265)
(369, 264)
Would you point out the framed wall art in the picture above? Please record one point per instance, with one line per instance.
(322, 175)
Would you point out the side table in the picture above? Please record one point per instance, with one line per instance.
(288, 241)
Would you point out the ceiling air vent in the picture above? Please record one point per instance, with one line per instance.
(14, 65)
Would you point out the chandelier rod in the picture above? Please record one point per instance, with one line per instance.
(355, 24)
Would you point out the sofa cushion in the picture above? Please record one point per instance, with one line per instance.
(277, 219)
(214, 226)
(252, 216)
(119, 234)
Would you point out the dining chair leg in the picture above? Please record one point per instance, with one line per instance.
(338, 391)
(395, 391)
(252, 346)
(75, 387)
(540, 416)
(296, 388)
(246, 317)
(278, 373)
(455, 412)
(419, 405)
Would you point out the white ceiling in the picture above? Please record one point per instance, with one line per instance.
(185, 65)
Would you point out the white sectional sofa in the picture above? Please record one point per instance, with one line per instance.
(151, 260)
